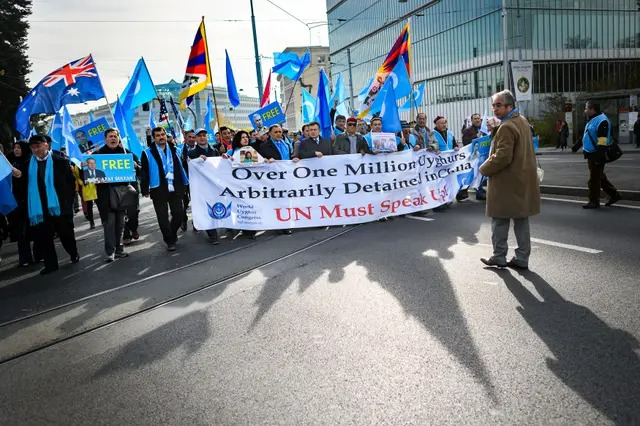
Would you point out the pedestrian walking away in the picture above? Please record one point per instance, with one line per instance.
(594, 143)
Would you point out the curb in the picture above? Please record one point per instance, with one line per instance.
(583, 192)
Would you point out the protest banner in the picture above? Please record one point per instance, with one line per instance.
(108, 168)
(267, 116)
(91, 136)
(328, 191)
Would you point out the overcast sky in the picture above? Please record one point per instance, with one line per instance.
(119, 32)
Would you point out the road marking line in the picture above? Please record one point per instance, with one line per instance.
(567, 246)
(425, 219)
(564, 200)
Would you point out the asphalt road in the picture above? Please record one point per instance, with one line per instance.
(394, 322)
(569, 169)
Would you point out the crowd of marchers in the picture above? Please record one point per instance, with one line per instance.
(50, 189)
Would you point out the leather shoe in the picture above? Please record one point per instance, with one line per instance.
(514, 265)
(591, 206)
(612, 200)
(76, 258)
(491, 262)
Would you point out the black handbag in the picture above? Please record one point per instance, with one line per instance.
(613, 152)
(122, 197)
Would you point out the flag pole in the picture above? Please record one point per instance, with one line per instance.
(113, 118)
(206, 46)
(156, 92)
(413, 106)
(293, 91)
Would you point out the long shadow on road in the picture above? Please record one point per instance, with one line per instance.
(595, 360)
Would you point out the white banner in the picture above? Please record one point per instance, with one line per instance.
(522, 79)
(327, 191)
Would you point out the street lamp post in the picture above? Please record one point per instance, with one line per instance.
(255, 49)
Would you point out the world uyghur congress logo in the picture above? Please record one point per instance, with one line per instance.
(219, 211)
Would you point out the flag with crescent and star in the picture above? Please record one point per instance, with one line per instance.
(401, 48)
(74, 83)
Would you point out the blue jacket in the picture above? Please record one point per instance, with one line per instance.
(590, 138)
(151, 164)
(442, 145)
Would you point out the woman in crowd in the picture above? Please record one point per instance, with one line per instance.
(240, 140)
(19, 219)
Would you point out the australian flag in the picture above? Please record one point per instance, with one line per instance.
(74, 83)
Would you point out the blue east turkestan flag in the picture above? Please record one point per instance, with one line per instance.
(209, 116)
(74, 83)
(140, 88)
(7, 200)
(308, 107)
(56, 132)
(386, 101)
(232, 90)
(152, 121)
(129, 137)
(322, 111)
(416, 97)
(73, 150)
(290, 65)
(401, 81)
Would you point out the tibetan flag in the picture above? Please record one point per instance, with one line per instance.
(401, 48)
(196, 77)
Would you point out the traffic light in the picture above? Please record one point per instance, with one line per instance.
(145, 106)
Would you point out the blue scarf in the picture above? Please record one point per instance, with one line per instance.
(33, 197)
(167, 165)
(283, 148)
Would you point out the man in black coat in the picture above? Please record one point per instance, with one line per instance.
(112, 217)
(154, 183)
(314, 146)
(65, 188)
(203, 151)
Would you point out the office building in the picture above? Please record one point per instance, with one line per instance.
(580, 49)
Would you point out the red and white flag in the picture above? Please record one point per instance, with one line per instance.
(267, 92)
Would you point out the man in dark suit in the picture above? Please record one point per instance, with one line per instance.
(314, 146)
(203, 151)
(52, 221)
(164, 180)
(94, 175)
(349, 141)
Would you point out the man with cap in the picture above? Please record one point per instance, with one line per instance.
(408, 140)
(348, 142)
(444, 138)
(164, 180)
(203, 150)
(48, 193)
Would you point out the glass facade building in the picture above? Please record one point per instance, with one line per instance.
(580, 48)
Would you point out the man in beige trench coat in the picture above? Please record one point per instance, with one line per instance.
(513, 191)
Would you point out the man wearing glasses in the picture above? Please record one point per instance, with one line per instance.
(513, 191)
(349, 142)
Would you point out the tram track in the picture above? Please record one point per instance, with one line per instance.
(207, 286)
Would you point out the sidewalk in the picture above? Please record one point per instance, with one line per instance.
(566, 173)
